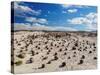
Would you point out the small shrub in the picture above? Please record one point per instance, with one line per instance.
(18, 63)
(21, 56)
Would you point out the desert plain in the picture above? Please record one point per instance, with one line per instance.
(49, 51)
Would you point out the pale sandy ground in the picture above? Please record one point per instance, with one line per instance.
(46, 51)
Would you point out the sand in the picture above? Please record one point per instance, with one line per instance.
(40, 51)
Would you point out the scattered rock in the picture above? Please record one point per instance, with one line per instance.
(62, 65)
(42, 66)
(95, 58)
(80, 62)
(29, 61)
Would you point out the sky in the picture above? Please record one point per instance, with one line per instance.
(53, 17)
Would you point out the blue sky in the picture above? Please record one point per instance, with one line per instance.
(60, 17)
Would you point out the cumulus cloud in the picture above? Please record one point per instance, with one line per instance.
(22, 10)
(90, 21)
(37, 26)
(36, 20)
(72, 10)
(77, 20)
(42, 20)
(31, 19)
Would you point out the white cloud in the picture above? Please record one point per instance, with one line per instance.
(42, 21)
(75, 6)
(22, 26)
(65, 5)
(77, 20)
(21, 9)
(36, 20)
(27, 26)
(69, 11)
(61, 28)
(91, 16)
(90, 21)
(72, 10)
(31, 19)
(37, 26)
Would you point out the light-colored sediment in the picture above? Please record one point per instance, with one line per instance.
(54, 51)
